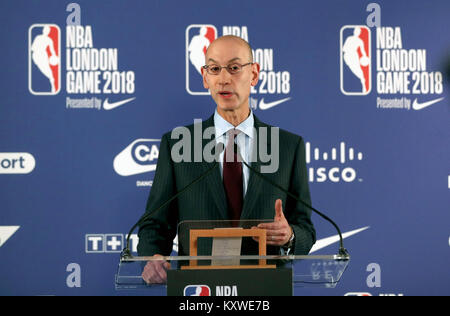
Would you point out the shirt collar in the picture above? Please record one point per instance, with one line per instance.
(223, 126)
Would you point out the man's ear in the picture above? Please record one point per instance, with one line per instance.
(205, 84)
(255, 74)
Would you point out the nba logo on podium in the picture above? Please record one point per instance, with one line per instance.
(355, 59)
(197, 290)
(44, 59)
(198, 38)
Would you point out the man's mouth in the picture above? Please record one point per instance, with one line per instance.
(226, 94)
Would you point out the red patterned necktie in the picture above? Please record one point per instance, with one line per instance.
(233, 177)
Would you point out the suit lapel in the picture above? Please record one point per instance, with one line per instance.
(255, 182)
(215, 183)
(214, 180)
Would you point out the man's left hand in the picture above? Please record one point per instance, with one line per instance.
(278, 232)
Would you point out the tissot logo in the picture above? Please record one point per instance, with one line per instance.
(140, 156)
(109, 243)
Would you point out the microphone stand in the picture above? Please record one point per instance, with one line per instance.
(342, 251)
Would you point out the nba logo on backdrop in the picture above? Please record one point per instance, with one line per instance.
(198, 38)
(355, 58)
(44, 59)
(197, 290)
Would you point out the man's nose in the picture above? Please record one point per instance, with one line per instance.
(224, 77)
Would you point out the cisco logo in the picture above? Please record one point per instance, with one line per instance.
(140, 156)
(16, 163)
(337, 173)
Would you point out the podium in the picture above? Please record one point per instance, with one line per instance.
(229, 258)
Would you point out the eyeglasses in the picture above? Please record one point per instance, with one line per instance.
(233, 68)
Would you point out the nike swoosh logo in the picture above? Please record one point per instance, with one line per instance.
(322, 243)
(265, 106)
(420, 106)
(6, 232)
(109, 106)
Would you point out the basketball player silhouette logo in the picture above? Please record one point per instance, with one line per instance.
(198, 39)
(197, 49)
(44, 55)
(355, 60)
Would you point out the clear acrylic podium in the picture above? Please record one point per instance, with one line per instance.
(231, 257)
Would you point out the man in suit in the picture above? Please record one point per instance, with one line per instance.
(231, 191)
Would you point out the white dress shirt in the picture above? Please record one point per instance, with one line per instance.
(244, 140)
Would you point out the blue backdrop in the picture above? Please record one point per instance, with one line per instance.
(76, 164)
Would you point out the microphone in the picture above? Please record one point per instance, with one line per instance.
(126, 252)
(342, 251)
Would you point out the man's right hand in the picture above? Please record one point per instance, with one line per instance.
(155, 272)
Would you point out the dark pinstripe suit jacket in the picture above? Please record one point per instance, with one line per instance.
(206, 200)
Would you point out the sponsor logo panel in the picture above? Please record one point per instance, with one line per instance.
(16, 163)
(139, 157)
(90, 73)
(100, 243)
(108, 243)
(401, 72)
(356, 60)
(44, 62)
(274, 85)
(337, 165)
